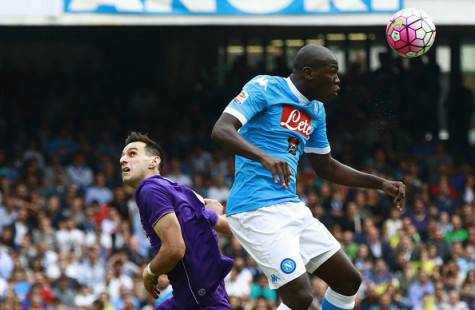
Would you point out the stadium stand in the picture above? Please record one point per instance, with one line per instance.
(70, 234)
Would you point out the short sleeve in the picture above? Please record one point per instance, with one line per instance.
(156, 202)
(250, 101)
(318, 141)
(211, 215)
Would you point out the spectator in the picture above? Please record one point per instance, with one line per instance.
(445, 195)
(419, 288)
(379, 248)
(454, 302)
(21, 225)
(45, 233)
(457, 233)
(199, 185)
(380, 277)
(349, 245)
(385, 303)
(79, 173)
(3, 288)
(200, 160)
(352, 220)
(363, 260)
(236, 303)
(176, 174)
(424, 262)
(8, 214)
(469, 190)
(119, 202)
(99, 192)
(6, 263)
(262, 304)
(6, 170)
(235, 286)
(393, 224)
(85, 297)
(125, 300)
(420, 218)
(68, 237)
(48, 259)
(219, 190)
(63, 289)
(261, 289)
(92, 270)
(21, 285)
(118, 279)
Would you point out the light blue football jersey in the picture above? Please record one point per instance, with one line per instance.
(280, 121)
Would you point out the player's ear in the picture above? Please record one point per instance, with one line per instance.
(155, 162)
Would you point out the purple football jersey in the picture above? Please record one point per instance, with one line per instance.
(201, 271)
(217, 301)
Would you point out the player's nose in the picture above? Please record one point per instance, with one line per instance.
(122, 160)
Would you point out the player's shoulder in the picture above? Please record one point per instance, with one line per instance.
(154, 183)
(318, 108)
(264, 81)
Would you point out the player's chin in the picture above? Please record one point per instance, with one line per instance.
(336, 91)
(126, 179)
(332, 95)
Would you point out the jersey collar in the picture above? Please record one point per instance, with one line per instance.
(296, 92)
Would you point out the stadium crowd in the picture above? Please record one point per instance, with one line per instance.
(70, 233)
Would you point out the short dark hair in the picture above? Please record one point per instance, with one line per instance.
(152, 147)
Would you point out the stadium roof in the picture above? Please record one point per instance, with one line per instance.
(227, 12)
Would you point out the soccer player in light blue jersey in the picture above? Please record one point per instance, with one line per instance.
(269, 125)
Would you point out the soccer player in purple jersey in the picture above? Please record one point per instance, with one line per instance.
(269, 125)
(181, 231)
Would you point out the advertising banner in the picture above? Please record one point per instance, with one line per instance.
(231, 7)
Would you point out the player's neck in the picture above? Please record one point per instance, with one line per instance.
(299, 84)
(151, 173)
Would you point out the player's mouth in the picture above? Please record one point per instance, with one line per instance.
(125, 170)
(336, 89)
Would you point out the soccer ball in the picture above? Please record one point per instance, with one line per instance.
(410, 32)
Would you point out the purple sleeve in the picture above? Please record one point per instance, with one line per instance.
(211, 215)
(156, 202)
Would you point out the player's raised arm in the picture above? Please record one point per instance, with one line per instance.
(225, 132)
(331, 169)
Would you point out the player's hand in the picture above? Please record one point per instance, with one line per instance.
(279, 168)
(397, 190)
(150, 283)
(214, 205)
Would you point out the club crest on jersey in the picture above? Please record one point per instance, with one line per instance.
(239, 99)
(296, 120)
(293, 145)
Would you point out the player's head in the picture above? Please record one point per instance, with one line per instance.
(315, 68)
(141, 158)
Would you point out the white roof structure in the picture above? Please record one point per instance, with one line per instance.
(227, 12)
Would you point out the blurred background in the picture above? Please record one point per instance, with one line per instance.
(77, 75)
